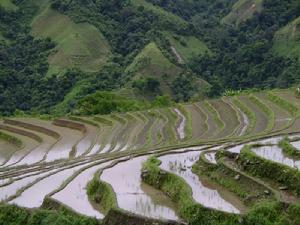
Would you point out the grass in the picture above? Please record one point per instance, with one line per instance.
(292, 109)
(246, 189)
(103, 120)
(260, 167)
(287, 40)
(243, 10)
(289, 149)
(101, 194)
(11, 139)
(8, 5)
(187, 46)
(177, 189)
(78, 45)
(228, 115)
(166, 18)
(150, 62)
(13, 215)
(215, 114)
(268, 112)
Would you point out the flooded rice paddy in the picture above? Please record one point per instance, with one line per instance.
(135, 196)
(203, 193)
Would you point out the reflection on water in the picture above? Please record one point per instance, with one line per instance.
(11, 189)
(267, 141)
(95, 149)
(33, 197)
(274, 153)
(211, 157)
(296, 144)
(245, 123)
(74, 194)
(181, 164)
(180, 128)
(133, 195)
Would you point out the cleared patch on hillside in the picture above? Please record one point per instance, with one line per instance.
(150, 62)
(287, 40)
(165, 17)
(78, 45)
(185, 47)
(8, 5)
(243, 10)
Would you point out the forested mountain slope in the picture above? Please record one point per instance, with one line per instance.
(53, 53)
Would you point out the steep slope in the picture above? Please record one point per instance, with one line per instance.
(243, 10)
(78, 44)
(166, 18)
(287, 39)
(185, 47)
(8, 5)
(150, 62)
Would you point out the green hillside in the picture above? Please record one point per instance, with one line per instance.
(79, 45)
(8, 4)
(243, 10)
(287, 40)
(56, 52)
(150, 62)
(186, 47)
(166, 18)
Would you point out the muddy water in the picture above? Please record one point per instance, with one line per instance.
(38, 153)
(106, 148)
(245, 123)
(205, 194)
(133, 195)
(33, 197)
(64, 146)
(181, 126)
(11, 189)
(95, 149)
(211, 157)
(6, 150)
(75, 196)
(274, 153)
(267, 141)
(86, 143)
(296, 144)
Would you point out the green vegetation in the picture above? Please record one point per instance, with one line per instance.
(215, 115)
(292, 109)
(79, 45)
(258, 166)
(243, 10)
(264, 213)
(101, 194)
(269, 113)
(187, 46)
(11, 139)
(106, 103)
(151, 63)
(180, 193)
(248, 190)
(8, 5)
(289, 149)
(103, 102)
(13, 215)
(60, 51)
(287, 39)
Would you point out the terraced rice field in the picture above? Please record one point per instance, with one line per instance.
(57, 159)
